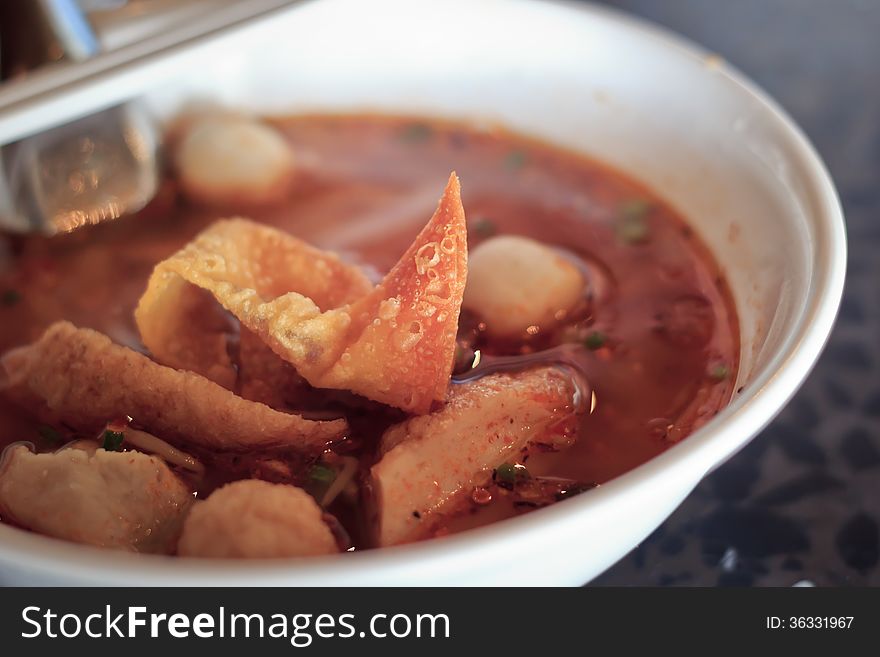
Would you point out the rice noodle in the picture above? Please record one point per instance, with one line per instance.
(170, 454)
(343, 478)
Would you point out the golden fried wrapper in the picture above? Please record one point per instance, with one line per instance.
(401, 342)
(264, 376)
(79, 377)
(255, 272)
(394, 344)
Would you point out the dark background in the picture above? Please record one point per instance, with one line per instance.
(801, 503)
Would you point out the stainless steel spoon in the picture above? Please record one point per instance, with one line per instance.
(91, 170)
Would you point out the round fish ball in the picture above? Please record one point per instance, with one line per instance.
(515, 282)
(252, 518)
(234, 159)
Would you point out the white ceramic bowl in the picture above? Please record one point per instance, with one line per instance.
(622, 91)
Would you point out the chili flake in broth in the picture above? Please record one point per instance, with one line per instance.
(657, 329)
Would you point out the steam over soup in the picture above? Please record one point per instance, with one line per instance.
(329, 342)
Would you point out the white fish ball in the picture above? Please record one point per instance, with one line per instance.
(515, 282)
(234, 159)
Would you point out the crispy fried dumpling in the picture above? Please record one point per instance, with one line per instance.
(123, 500)
(394, 343)
(265, 377)
(429, 461)
(242, 264)
(401, 342)
(252, 518)
(80, 377)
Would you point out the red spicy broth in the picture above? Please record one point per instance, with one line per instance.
(661, 343)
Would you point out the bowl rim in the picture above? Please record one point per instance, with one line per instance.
(706, 448)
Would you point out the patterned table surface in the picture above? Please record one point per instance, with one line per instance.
(800, 504)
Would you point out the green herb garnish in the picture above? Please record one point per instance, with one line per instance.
(321, 475)
(636, 207)
(416, 133)
(49, 434)
(485, 227)
(719, 372)
(112, 440)
(595, 340)
(632, 221)
(10, 297)
(509, 474)
(515, 160)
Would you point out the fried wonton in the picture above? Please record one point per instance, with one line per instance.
(242, 264)
(79, 377)
(394, 343)
(264, 376)
(428, 462)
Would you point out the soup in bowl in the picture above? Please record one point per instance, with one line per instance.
(347, 331)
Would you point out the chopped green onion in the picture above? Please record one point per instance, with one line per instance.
(515, 160)
(113, 440)
(636, 207)
(49, 434)
(321, 474)
(508, 474)
(632, 221)
(416, 132)
(320, 481)
(633, 231)
(505, 473)
(595, 340)
(485, 227)
(10, 297)
(719, 372)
